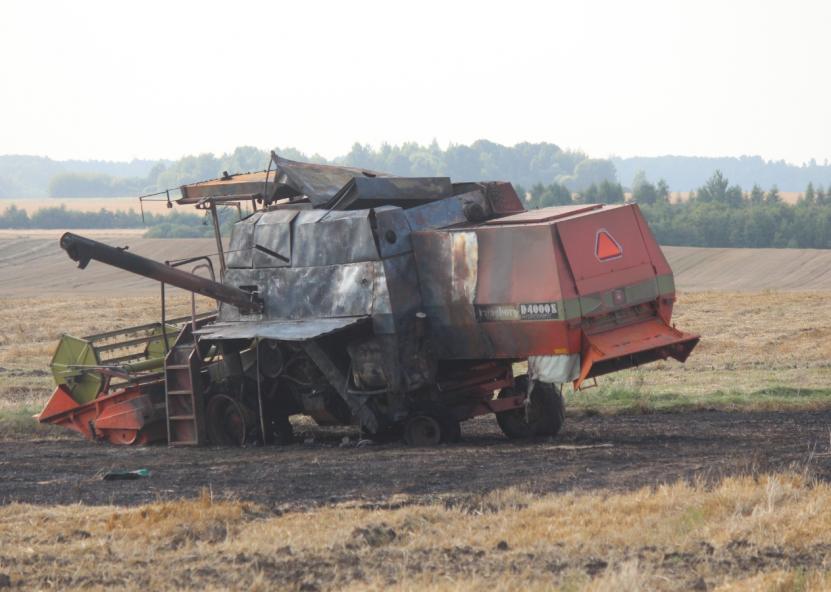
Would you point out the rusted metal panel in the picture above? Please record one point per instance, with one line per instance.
(517, 265)
(248, 184)
(503, 198)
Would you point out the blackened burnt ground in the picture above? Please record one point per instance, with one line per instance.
(611, 452)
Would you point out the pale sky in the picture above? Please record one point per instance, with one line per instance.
(116, 80)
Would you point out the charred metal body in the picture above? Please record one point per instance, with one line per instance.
(402, 304)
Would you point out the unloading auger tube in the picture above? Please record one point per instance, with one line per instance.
(82, 250)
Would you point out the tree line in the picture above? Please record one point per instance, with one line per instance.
(525, 163)
(716, 214)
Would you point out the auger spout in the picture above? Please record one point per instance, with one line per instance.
(83, 250)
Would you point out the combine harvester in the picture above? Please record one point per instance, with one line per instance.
(398, 304)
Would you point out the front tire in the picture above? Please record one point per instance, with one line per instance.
(542, 415)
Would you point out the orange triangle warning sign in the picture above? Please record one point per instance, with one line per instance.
(606, 247)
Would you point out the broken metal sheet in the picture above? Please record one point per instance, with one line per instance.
(366, 192)
(280, 330)
(319, 182)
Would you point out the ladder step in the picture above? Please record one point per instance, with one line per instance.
(181, 369)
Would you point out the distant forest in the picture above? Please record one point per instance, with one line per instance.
(176, 224)
(525, 164)
(716, 214)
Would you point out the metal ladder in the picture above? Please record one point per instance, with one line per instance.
(183, 391)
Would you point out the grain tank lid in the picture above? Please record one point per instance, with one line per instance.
(545, 214)
(289, 330)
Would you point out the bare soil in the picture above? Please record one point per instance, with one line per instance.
(614, 453)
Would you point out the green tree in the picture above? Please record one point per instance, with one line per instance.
(810, 196)
(555, 194)
(662, 190)
(714, 190)
(14, 217)
(590, 171)
(757, 196)
(821, 196)
(643, 191)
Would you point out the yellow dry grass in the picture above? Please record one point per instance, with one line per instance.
(746, 533)
(789, 197)
(85, 204)
(750, 342)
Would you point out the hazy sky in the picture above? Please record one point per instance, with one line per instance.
(116, 80)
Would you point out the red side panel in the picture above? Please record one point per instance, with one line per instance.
(605, 249)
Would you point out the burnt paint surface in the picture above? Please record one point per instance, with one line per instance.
(552, 260)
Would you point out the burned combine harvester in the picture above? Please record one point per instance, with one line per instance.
(398, 304)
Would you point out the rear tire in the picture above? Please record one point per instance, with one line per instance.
(422, 430)
(437, 417)
(542, 415)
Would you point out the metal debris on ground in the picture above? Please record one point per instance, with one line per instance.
(125, 475)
